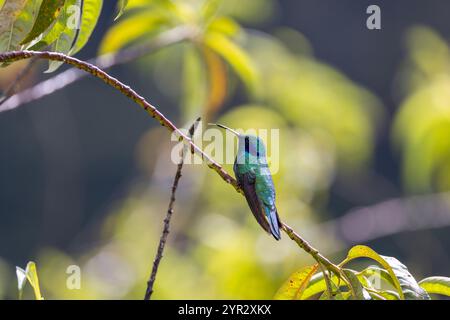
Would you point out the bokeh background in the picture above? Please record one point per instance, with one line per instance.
(364, 119)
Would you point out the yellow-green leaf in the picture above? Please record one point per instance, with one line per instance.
(121, 6)
(436, 285)
(235, 56)
(33, 279)
(48, 12)
(366, 252)
(66, 23)
(317, 284)
(16, 20)
(90, 13)
(410, 288)
(357, 290)
(131, 29)
(294, 287)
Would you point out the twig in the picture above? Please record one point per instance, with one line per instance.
(106, 61)
(165, 233)
(156, 114)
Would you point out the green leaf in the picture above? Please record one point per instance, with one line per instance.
(48, 12)
(373, 270)
(16, 20)
(436, 285)
(33, 279)
(194, 79)
(62, 24)
(121, 6)
(235, 56)
(294, 287)
(90, 13)
(30, 274)
(2, 2)
(317, 284)
(62, 35)
(21, 280)
(357, 290)
(366, 252)
(409, 285)
(224, 25)
(131, 29)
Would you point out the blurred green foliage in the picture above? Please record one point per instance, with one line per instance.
(422, 127)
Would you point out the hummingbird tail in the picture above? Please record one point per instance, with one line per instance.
(274, 224)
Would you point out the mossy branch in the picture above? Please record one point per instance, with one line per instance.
(156, 114)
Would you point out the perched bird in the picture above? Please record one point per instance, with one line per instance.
(254, 177)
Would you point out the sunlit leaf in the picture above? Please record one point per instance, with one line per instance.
(217, 81)
(60, 26)
(235, 56)
(21, 280)
(33, 279)
(48, 12)
(409, 285)
(294, 287)
(194, 82)
(131, 29)
(16, 20)
(224, 25)
(89, 16)
(366, 252)
(436, 285)
(317, 285)
(121, 6)
(357, 290)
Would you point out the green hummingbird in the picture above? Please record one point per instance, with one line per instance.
(253, 176)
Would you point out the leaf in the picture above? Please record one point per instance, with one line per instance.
(121, 6)
(373, 270)
(217, 82)
(402, 280)
(33, 279)
(62, 24)
(131, 29)
(409, 285)
(21, 280)
(16, 20)
(316, 285)
(436, 285)
(235, 56)
(90, 13)
(366, 252)
(2, 2)
(194, 86)
(294, 287)
(357, 290)
(48, 12)
(63, 34)
(224, 25)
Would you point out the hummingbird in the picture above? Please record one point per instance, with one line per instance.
(253, 176)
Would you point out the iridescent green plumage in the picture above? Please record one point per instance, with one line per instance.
(254, 177)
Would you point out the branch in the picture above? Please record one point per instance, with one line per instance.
(165, 233)
(125, 90)
(106, 61)
(156, 114)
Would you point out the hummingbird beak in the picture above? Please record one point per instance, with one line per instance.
(225, 127)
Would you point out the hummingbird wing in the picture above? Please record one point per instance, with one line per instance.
(247, 182)
(265, 190)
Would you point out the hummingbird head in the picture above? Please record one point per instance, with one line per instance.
(247, 143)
